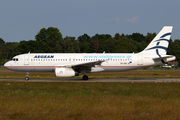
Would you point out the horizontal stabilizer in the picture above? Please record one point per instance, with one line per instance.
(165, 58)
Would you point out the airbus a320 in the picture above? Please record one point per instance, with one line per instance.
(71, 64)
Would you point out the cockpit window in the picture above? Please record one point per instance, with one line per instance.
(14, 59)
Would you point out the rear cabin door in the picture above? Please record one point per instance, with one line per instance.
(140, 60)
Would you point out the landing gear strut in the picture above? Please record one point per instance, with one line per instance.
(27, 76)
(85, 77)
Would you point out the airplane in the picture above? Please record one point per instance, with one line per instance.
(71, 64)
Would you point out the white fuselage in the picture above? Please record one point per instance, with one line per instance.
(47, 62)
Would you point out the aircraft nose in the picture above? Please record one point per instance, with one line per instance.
(6, 64)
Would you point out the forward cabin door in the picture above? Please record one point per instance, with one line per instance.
(140, 60)
(26, 59)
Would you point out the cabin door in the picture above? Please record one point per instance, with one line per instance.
(140, 60)
(26, 60)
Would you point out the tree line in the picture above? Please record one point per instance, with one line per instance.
(50, 40)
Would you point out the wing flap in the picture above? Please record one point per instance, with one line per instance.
(88, 64)
(85, 64)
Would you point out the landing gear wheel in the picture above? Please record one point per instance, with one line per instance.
(26, 78)
(85, 77)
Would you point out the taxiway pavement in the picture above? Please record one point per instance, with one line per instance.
(132, 80)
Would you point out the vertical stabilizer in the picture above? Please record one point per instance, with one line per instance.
(159, 44)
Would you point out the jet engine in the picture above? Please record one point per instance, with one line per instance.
(65, 72)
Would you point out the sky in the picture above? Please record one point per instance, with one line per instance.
(23, 19)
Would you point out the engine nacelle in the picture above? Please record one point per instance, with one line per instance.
(64, 72)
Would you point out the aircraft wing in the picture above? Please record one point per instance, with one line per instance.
(85, 64)
(88, 64)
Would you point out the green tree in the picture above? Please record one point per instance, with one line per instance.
(50, 39)
(137, 37)
(126, 45)
(71, 45)
(29, 46)
(84, 38)
(174, 49)
(97, 43)
(51, 33)
(4, 51)
(149, 37)
(101, 36)
(107, 45)
(12, 49)
(117, 36)
(1, 41)
(84, 43)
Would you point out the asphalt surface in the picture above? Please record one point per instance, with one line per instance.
(132, 80)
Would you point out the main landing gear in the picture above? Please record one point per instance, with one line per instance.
(85, 77)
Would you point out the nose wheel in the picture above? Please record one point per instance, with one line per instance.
(85, 77)
(27, 76)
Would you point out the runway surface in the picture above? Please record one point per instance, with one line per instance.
(132, 80)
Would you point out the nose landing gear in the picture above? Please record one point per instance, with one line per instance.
(27, 76)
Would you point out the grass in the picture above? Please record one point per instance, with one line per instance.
(67, 100)
(142, 73)
(77, 101)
